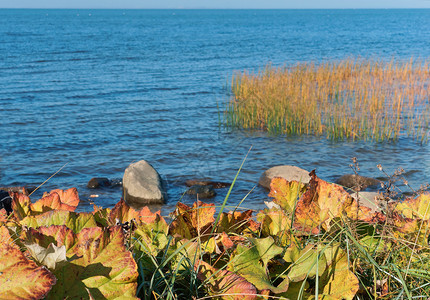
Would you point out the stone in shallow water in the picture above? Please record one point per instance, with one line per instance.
(214, 184)
(202, 191)
(142, 185)
(5, 201)
(288, 172)
(357, 182)
(98, 182)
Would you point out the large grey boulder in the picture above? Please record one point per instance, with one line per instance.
(288, 172)
(142, 185)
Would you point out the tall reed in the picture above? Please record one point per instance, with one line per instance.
(353, 99)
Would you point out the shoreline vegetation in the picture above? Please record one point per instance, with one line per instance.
(315, 241)
(349, 99)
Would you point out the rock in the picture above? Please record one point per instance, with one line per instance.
(5, 201)
(115, 182)
(214, 184)
(288, 172)
(98, 182)
(202, 191)
(357, 182)
(142, 185)
(26, 190)
(373, 200)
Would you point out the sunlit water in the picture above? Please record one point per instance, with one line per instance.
(99, 89)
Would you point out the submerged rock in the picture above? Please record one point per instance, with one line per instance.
(202, 191)
(5, 201)
(98, 182)
(214, 184)
(357, 182)
(288, 172)
(26, 190)
(142, 185)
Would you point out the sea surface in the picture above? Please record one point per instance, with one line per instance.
(96, 90)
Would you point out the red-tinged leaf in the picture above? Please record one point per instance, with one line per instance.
(286, 193)
(151, 238)
(21, 278)
(238, 222)
(3, 216)
(50, 202)
(74, 221)
(69, 196)
(123, 213)
(225, 241)
(190, 222)
(20, 205)
(225, 284)
(59, 235)
(102, 268)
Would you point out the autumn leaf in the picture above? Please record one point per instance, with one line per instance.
(275, 223)
(20, 205)
(337, 282)
(418, 207)
(306, 263)
(68, 197)
(286, 193)
(123, 213)
(151, 237)
(190, 222)
(321, 203)
(50, 257)
(73, 220)
(237, 222)
(225, 284)
(50, 202)
(21, 278)
(98, 264)
(246, 262)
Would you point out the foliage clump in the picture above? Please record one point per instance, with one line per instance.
(315, 241)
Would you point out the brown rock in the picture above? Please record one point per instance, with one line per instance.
(357, 182)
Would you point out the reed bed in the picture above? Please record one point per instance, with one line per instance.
(350, 99)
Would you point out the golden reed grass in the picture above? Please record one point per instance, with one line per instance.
(348, 99)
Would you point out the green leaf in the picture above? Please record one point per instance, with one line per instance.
(307, 263)
(251, 263)
(74, 221)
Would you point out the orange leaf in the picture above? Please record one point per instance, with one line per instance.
(237, 222)
(321, 203)
(69, 196)
(124, 213)
(192, 221)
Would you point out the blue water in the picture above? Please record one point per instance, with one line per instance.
(99, 89)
